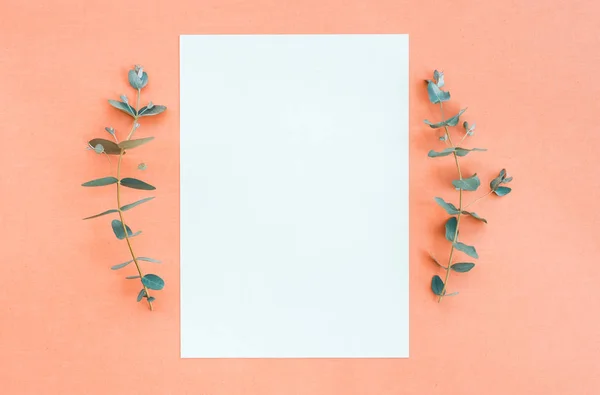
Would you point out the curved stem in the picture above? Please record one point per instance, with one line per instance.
(460, 209)
(479, 198)
(121, 217)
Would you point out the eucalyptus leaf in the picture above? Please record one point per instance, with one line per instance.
(132, 205)
(449, 207)
(103, 213)
(436, 154)
(149, 111)
(136, 81)
(126, 108)
(502, 191)
(437, 285)
(142, 166)
(132, 277)
(454, 120)
(146, 259)
(507, 180)
(475, 215)
(467, 184)
(110, 147)
(435, 125)
(136, 184)
(467, 249)
(129, 144)
(120, 265)
(462, 267)
(436, 95)
(151, 299)
(144, 79)
(141, 295)
(100, 182)
(117, 227)
(464, 151)
(451, 228)
(438, 78)
(153, 281)
(498, 180)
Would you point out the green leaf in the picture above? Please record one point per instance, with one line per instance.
(146, 259)
(467, 249)
(129, 144)
(459, 151)
(498, 180)
(436, 95)
(126, 108)
(436, 261)
(141, 295)
(151, 299)
(454, 120)
(448, 122)
(132, 277)
(154, 110)
(467, 184)
(136, 184)
(445, 152)
(117, 227)
(120, 265)
(101, 214)
(435, 125)
(135, 81)
(132, 205)
(153, 281)
(144, 79)
(100, 182)
(462, 267)
(451, 228)
(437, 285)
(110, 147)
(502, 191)
(449, 207)
(464, 151)
(507, 180)
(438, 78)
(142, 166)
(474, 215)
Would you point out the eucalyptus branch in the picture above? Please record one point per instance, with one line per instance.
(462, 184)
(138, 79)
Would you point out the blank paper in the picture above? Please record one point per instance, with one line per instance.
(294, 196)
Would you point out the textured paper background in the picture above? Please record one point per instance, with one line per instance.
(294, 196)
(525, 321)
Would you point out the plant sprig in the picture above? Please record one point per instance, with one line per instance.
(462, 184)
(138, 79)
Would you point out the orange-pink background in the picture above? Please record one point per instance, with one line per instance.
(526, 321)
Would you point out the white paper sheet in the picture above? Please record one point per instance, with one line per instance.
(294, 196)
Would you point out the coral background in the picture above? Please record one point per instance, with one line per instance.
(526, 320)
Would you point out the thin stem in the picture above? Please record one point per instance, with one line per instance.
(137, 107)
(479, 198)
(121, 216)
(460, 209)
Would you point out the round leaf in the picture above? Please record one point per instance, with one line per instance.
(462, 267)
(110, 147)
(437, 285)
(153, 281)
